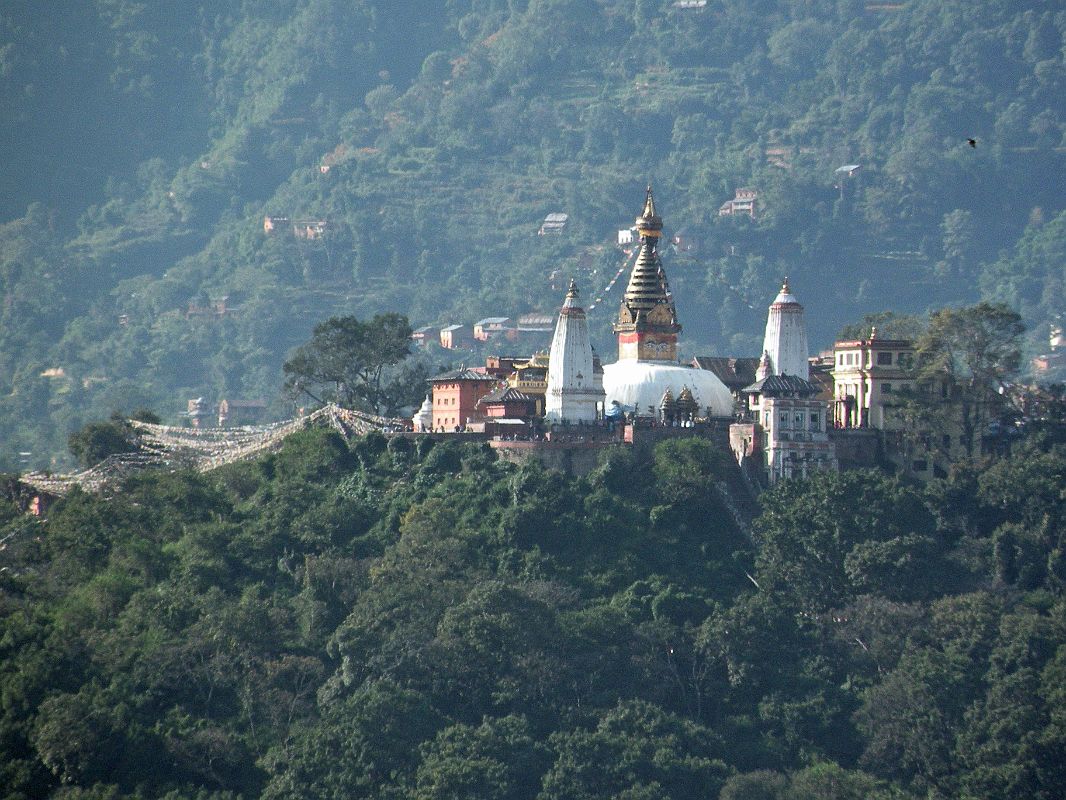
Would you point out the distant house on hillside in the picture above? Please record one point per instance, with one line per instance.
(197, 410)
(743, 204)
(300, 228)
(271, 224)
(309, 228)
(234, 413)
(553, 224)
(536, 322)
(424, 335)
(490, 328)
(454, 337)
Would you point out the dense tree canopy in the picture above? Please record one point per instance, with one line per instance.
(390, 621)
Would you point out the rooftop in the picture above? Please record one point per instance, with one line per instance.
(462, 374)
(783, 385)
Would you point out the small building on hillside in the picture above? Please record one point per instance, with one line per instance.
(502, 366)
(742, 204)
(197, 410)
(490, 328)
(868, 374)
(455, 337)
(272, 224)
(788, 420)
(424, 336)
(506, 402)
(554, 223)
(309, 228)
(456, 395)
(234, 413)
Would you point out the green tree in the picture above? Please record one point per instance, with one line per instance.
(974, 353)
(347, 361)
(500, 759)
(98, 440)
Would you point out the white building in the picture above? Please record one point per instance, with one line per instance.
(574, 393)
(790, 422)
(785, 340)
(787, 422)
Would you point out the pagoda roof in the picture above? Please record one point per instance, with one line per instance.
(783, 385)
(506, 394)
(462, 374)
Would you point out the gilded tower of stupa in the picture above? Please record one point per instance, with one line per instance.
(647, 324)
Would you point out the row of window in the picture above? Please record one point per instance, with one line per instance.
(886, 388)
(884, 359)
(796, 421)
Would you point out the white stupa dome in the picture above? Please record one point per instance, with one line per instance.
(636, 385)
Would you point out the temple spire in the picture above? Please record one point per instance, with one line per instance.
(647, 325)
(785, 339)
(573, 391)
(649, 224)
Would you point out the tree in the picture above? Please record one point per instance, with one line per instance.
(98, 440)
(975, 351)
(347, 361)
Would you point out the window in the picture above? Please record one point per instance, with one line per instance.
(886, 388)
(799, 420)
(784, 419)
(815, 421)
(884, 358)
(905, 360)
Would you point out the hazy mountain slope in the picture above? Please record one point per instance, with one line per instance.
(450, 129)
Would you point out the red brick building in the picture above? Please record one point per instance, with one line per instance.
(456, 395)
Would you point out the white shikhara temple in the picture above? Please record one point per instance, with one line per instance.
(790, 422)
(785, 340)
(575, 385)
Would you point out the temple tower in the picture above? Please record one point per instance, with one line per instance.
(785, 341)
(574, 389)
(647, 324)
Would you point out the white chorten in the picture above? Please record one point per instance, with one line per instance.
(423, 418)
(785, 341)
(573, 391)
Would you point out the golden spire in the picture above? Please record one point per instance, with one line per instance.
(572, 293)
(649, 224)
(784, 286)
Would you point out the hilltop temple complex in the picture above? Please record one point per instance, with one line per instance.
(799, 415)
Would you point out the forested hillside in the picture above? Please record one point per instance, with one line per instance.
(394, 620)
(142, 146)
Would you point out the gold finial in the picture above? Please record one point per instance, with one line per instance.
(572, 292)
(784, 286)
(649, 223)
(649, 204)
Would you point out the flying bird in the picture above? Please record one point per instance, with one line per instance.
(972, 143)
